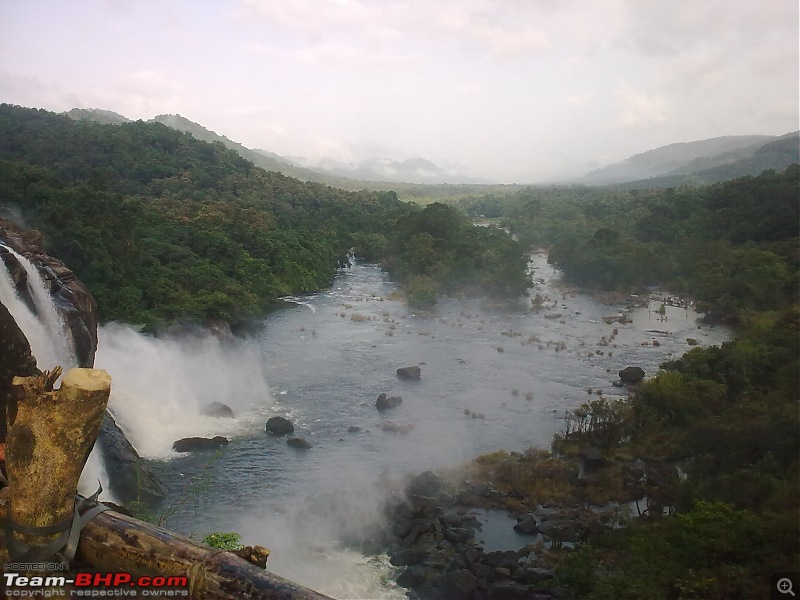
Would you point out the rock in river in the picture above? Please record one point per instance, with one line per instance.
(279, 426)
(412, 372)
(194, 444)
(217, 409)
(383, 402)
(631, 374)
(296, 442)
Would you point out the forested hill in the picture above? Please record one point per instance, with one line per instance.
(163, 226)
(733, 245)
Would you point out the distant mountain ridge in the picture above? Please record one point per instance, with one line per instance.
(727, 154)
(777, 154)
(328, 171)
(413, 170)
(683, 163)
(261, 158)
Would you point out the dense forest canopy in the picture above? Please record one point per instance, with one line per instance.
(163, 226)
(732, 246)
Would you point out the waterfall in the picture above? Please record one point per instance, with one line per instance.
(49, 336)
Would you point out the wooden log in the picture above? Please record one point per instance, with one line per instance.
(50, 435)
(112, 542)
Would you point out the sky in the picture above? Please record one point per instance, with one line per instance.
(514, 91)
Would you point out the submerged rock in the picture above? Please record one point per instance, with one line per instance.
(297, 442)
(217, 409)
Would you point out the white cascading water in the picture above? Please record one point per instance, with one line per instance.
(162, 384)
(50, 340)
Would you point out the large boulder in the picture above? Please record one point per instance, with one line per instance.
(199, 444)
(562, 530)
(527, 526)
(631, 375)
(385, 402)
(217, 409)
(279, 426)
(412, 373)
(456, 584)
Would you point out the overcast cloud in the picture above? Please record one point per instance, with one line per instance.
(510, 90)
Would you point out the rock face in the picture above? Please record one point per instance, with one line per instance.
(279, 426)
(412, 373)
(383, 402)
(130, 479)
(199, 444)
(631, 374)
(217, 409)
(15, 359)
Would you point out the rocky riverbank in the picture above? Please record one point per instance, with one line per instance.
(434, 521)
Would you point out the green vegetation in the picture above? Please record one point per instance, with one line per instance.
(162, 226)
(224, 540)
(438, 250)
(732, 246)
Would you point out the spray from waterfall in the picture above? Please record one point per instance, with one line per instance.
(49, 337)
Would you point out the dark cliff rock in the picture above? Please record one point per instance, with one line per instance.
(15, 359)
(129, 477)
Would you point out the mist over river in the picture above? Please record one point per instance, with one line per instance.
(321, 361)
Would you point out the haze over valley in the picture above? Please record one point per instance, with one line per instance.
(507, 91)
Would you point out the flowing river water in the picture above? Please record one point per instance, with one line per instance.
(321, 361)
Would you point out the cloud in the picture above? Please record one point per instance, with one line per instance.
(475, 23)
(638, 109)
(580, 99)
(346, 55)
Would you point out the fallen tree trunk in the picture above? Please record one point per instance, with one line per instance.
(112, 542)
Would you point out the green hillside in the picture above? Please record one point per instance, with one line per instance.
(162, 226)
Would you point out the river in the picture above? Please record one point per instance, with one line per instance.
(490, 380)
